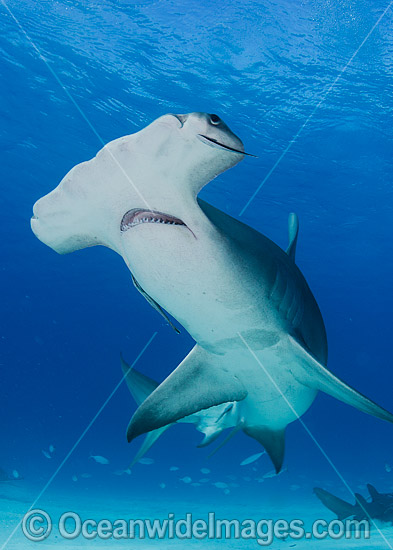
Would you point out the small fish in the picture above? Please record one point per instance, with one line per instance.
(46, 454)
(205, 471)
(86, 476)
(247, 478)
(186, 479)
(121, 472)
(273, 473)
(226, 492)
(232, 477)
(74, 478)
(15, 474)
(251, 459)
(146, 461)
(204, 480)
(234, 484)
(173, 469)
(220, 485)
(162, 485)
(227, 410)
(294, 487)
(51, 449)
(100, 459)
(196, 484)
(388, 468)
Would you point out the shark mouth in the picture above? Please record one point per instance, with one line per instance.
(215, 142)
(137, 216)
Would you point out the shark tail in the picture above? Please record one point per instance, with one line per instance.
(141, 386)
(336, 505)
(148, 442)
(273, 442)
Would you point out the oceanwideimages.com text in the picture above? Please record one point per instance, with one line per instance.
(38, 525)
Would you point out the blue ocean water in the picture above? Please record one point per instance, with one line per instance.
(74, 70)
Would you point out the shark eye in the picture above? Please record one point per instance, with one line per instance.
(215, 119)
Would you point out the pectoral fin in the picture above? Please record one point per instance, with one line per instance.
(199, 382)
(338, 506)
(317, 376)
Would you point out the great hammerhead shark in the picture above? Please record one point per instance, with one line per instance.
(211, 422)
(380, 505)
(261, 340)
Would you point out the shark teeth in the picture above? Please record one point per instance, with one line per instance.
(135, 217)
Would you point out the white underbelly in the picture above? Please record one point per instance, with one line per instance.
(201, 284)
(275, 397)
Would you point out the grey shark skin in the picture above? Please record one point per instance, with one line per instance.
(211, 422)
(380, 505)
(260, 336)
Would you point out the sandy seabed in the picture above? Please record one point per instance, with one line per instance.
(15, 501)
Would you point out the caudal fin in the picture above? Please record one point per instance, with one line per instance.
(148, 442)
(272, 440)
(140, 385)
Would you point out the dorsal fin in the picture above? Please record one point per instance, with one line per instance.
(293, 231)
(372, 491)
(154, 304)
(272, 440)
